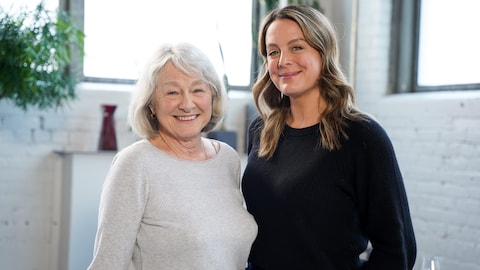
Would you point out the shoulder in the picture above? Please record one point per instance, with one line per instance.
(369, 135)
(256, 126)
(227, 157)
(367, 129)
(256, 123)
(133, 153)
(225, 149)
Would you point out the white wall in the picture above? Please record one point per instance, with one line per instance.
(437, 140)
(29, 182)
(436, 136)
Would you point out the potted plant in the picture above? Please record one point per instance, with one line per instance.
(36, 51)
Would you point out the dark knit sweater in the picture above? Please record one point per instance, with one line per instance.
(317, 209)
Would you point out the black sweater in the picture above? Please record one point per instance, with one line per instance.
(317, 209)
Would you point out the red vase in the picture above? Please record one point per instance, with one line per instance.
(108, 139)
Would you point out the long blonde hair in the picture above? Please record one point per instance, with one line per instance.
(335, 89)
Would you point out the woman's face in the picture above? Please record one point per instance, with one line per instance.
(294, 66)
(182, 104)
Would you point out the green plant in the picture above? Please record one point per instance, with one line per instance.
(36, 50)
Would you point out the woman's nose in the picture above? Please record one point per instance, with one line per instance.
(186, 104)
(283, 59)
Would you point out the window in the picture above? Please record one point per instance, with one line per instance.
(120, 35)
(437, 45)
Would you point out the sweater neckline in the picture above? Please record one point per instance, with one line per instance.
(220, 150)
(288, 130)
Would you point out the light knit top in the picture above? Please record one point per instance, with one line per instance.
(161, 212)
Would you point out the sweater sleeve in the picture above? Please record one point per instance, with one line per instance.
(121, 209)
(384, 204)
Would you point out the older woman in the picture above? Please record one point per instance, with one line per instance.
(172, 200)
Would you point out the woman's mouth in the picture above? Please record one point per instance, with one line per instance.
(288, 75)
(187, 118)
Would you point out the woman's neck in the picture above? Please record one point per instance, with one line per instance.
(189, 150)
(305, 112)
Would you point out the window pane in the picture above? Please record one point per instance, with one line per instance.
(449, 42)
(121, 34)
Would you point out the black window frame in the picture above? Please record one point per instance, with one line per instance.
(405, 51)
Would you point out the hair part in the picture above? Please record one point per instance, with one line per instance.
(188, 59)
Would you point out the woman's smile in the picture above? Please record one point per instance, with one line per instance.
(187, 117)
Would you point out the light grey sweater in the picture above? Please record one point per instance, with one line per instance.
(160, 212)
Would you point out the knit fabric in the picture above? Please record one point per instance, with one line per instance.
(160, 212)
(317, 209)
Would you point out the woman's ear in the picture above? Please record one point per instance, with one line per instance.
(152, 112)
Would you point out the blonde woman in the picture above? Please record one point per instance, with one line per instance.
(322, 180)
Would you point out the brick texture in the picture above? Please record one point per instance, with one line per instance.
(437, 140)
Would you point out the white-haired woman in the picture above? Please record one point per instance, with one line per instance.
(172, 200)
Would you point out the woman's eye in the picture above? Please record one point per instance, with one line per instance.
(272, 53)
(172, 93)
(297, 48)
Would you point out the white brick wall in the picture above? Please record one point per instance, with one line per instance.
(437, 140)
(29, 220)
